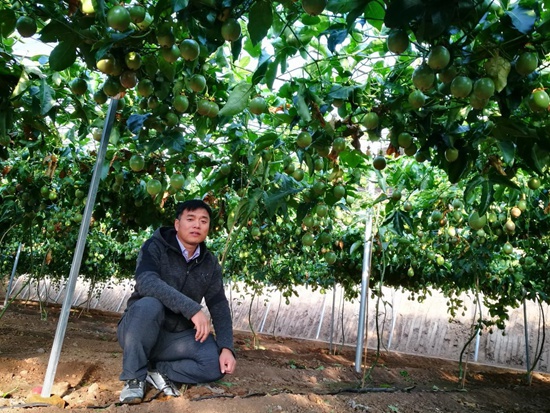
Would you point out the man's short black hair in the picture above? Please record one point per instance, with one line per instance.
(192, 205)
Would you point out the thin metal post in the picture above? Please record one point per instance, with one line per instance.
(367, 253)
(122, 300)
(268, 306)
(8, 292)
(393, 317)
(525, 327)
(478, 334)
(321, 318)
(60, 292)
(332, 317)
(79, 251)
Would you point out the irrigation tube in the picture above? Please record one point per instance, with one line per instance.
(79, 251)
(367, 254)
(8, 293)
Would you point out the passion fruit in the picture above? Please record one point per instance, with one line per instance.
(439, 57)
(397, 41)
(231, 30)
(527, 63)
(314, 7)
(423, 77)
(118, 18)
(189, 49)
(461, 87)
(26, 26)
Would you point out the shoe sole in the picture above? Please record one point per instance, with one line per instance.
(152, 383)
(134, 400)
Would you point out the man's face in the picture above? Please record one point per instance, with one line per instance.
(192, 227)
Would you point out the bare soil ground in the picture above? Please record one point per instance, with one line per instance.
(274, 374)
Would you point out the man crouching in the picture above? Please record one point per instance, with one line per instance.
(164, 334)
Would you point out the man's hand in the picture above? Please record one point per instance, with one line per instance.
(202, 325)
(227, 361)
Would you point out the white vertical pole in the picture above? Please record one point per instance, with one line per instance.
(393, 317)
(8, 292)
(265, 316)
(367, 254)
(332, 317)
(525, 327)
(321, 318)
(478, 335)
(79, 251)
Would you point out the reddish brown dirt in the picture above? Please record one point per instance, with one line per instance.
(274, 374)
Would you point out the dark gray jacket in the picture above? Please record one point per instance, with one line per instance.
(163, 273)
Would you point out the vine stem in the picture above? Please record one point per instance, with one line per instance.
(368, 373)
(462, 371)
(541, 338)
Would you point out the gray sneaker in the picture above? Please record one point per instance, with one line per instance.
(162, 383)
(132, 392)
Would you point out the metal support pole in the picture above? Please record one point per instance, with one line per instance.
(321, 318)
(478, 334)
(79, 251)
(122, 300)
(393, 317)
(268, 306)
(60, 292)
(367, 254)
(332, 317)
(525, 327)
(8, 292)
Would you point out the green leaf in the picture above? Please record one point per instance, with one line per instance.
(354, 246)
(507, 129)
(173, 139)
(236, 48)
(167, 69)
(52, 32)
(497, 178)
(271, 73)
(457, 170)
(498, 69)
(301, 106)
(263, 64)
(22, 85)
(400, 12)
(340, 92)
(7, 22)
(62, 56)
(536, 158)
(486, 197)
(374, 12)
(4, 138)
(45, 96)
(161, 6)
(471, 186)
(135, 122)
(260, 20)
(179, 5)
(277, 197)
(265, 141)
(508, 150)
(522, 19)
(397, 223)
(344, 7)
(238, 100)
(244, 209)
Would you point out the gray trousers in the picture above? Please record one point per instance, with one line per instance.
(177, 355)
